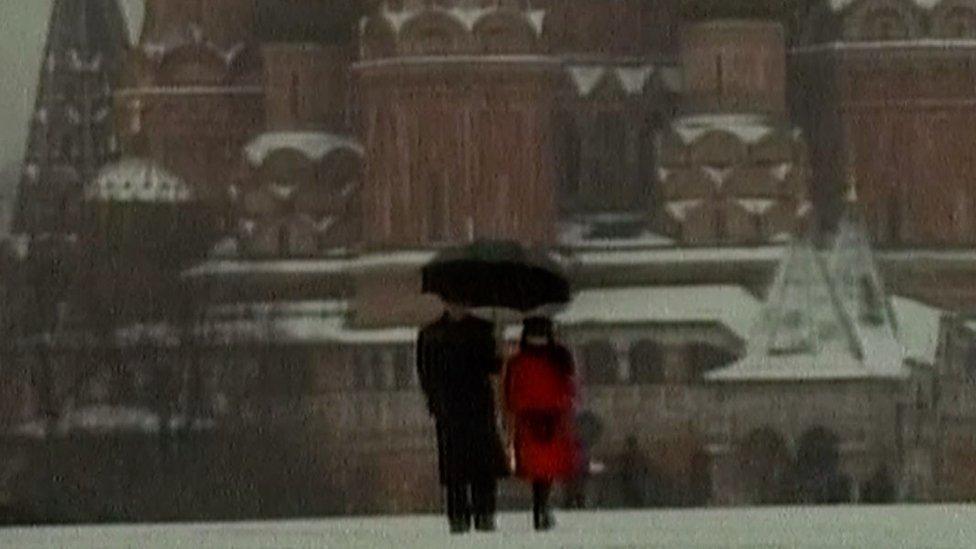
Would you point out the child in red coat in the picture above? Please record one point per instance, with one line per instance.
(540, 394)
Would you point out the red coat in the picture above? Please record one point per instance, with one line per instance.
(540, 395)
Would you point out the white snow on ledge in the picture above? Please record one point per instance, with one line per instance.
(467, 16)
(731, 306)
(921, 43)
(191, 90)
(918, 328)
(632, 80)
(841, 5)
(137, 180)
(747, 127)
(465, 59)
(313, 145)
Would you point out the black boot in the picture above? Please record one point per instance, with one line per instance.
(458, 509)
(483, 494)
(484, 523)
(459, 525)
(542, 518)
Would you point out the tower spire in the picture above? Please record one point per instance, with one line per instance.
(851, 195)
(71, 132)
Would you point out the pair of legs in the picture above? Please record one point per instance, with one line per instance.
(542, 518)
(476, 498)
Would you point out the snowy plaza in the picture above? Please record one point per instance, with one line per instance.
(832, 526)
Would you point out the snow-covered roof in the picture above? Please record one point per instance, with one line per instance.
(313, 145)
(918, 329)
(806, 332)
(731, 306)
(137, 180)
(746, 127)
(307, 329)
(578, 236)
(109, 419)
(307, 308)
(675, 255)
(276, 267)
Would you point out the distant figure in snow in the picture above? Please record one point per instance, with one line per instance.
(588, 429)
(456, 357)
(540, 394)
(634, 474)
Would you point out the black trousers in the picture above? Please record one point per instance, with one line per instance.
(540, 497)
(464, 499)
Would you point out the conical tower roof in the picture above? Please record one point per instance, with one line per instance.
(807, 332)
(71, 134)
(855, 273)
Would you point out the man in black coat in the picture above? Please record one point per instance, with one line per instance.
(456, 357)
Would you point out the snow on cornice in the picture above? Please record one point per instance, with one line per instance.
(313, 145)
(679, 208)
(467, 16)
(537, 18)
(137, 180)
(748, 128)
(191, 35)
(632, 80)
(841, 5)
(855, 45)
(586, 78)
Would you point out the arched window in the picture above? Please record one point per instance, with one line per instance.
(703, 358)
(647, 362)
(599, 363)
(818, 475)
(764, 466)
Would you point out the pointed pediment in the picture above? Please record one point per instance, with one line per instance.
(855, 274)
(804, 313)
(806, 330)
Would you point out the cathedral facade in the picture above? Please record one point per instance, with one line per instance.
(238, 330)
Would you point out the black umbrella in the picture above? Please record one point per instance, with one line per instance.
(496, 274)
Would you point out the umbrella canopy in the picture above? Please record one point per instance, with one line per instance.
(496, 274)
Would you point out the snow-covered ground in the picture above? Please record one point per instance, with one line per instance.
(860, 527)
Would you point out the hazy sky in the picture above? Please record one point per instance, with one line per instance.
(23, 26)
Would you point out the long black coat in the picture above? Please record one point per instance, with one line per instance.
(455, 359)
